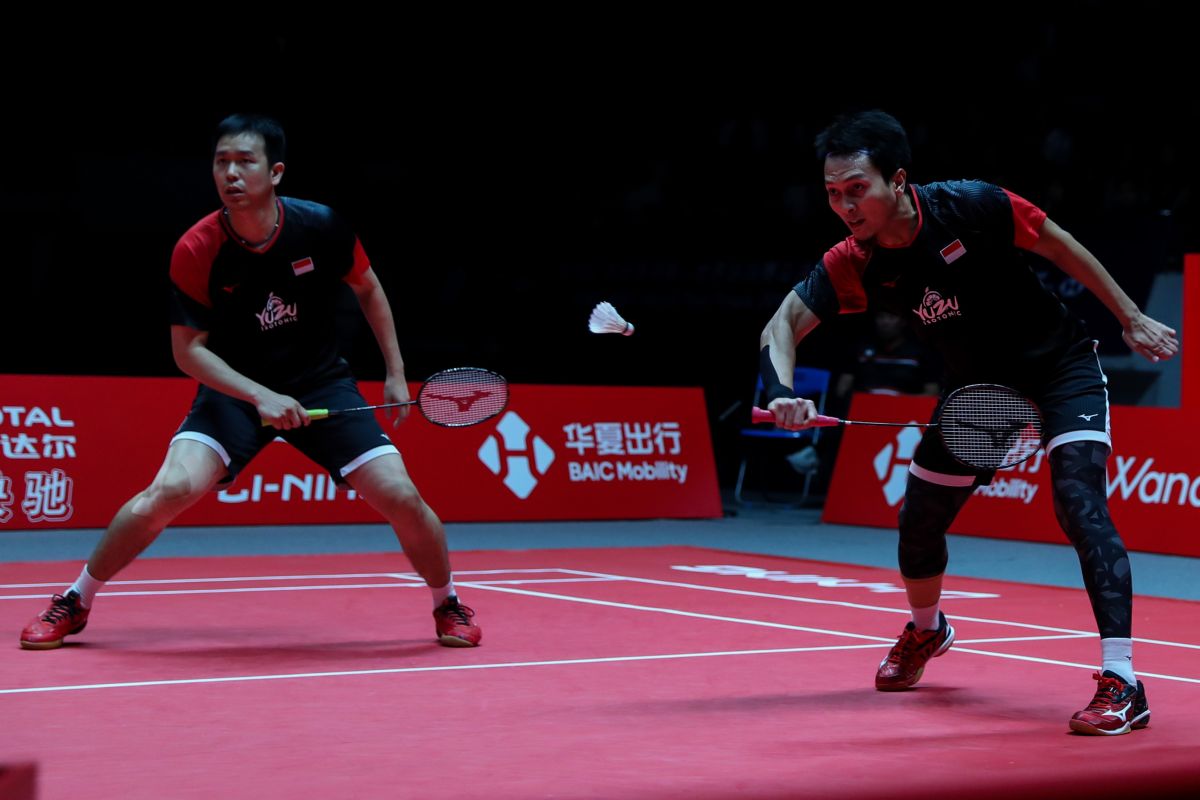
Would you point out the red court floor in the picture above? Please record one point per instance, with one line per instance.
(638, 673)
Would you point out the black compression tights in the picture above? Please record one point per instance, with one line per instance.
(1081, 505)
(928, 510)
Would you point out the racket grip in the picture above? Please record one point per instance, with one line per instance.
(313, 413)
(819, 421)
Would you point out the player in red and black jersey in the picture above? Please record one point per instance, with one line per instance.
(949, 257)
(253, 319)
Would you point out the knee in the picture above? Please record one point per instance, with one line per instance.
(399, 495)
(172, 491)
(922, 548)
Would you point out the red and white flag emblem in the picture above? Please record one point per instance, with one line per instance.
(953, 251)
(306, 265)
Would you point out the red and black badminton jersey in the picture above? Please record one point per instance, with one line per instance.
(271, 313)
(963, 284)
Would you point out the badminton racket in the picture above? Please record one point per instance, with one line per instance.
(983, 425)
(452, 398)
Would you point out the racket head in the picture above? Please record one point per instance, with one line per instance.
(989, 426)
(462, 396)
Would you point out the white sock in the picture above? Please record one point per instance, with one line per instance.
(86, 587)
(927, 619)
(440, 593)
(1118, 658)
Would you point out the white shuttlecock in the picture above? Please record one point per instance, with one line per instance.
(605, 319)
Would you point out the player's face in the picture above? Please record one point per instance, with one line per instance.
(244, 176)
(866, 201)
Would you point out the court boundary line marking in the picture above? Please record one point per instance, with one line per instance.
(410, 576)
(861, 606)
(580, 573)
(592, 576)
(509, 664)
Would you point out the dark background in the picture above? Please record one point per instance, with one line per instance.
(505, 173)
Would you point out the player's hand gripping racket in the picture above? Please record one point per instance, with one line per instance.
(452, 398)
(983, 425)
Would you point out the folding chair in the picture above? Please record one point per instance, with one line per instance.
(808, 382)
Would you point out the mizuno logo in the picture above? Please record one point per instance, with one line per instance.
(1087, 417)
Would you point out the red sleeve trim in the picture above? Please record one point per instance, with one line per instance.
(844, 264)
(1027, 221)
(361, 262)
(192, 260)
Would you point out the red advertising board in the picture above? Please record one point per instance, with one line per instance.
(1153, 479)
(73, 449)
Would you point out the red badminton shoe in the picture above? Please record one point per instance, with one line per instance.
(64, 617)
(1117, 708)
(454, 626)
(905, 662)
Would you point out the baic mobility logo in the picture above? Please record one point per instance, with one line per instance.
(515, 456)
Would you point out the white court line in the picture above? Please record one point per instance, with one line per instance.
(862, 606)
(503, 665)
(876, 641)
(444, 668)
(411, 576)
(590, 577)
(585, 576)
(251, 589)
(1055, 662)
(1005, 639)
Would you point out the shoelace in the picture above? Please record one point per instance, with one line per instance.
(909, 642)
(459, 613)
(60, 608)
(1106, 694)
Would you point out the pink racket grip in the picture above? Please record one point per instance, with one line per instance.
(819, 421)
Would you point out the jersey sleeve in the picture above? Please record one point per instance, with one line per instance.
(835, 285)
(183, 310)
(817, 292)
(1027, 221)
(360, 264)
(191, 265)
(987, 207)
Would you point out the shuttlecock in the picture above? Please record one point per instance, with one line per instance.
(605, 319)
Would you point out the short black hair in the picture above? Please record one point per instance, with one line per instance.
(274, 141)
(876, 133)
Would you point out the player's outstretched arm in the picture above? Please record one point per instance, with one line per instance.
(793, 320)
(1145, 336)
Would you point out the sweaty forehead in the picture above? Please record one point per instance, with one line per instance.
(843, 168)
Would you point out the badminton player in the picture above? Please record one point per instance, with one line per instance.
(949, 258)
(254, 289)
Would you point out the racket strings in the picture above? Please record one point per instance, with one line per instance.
(463, 396)
(991, 427)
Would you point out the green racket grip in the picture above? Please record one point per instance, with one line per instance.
(313, 413)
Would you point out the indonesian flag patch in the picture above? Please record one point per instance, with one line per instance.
(951, 252)
(306, 265)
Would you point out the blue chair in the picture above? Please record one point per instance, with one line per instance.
(808, 382)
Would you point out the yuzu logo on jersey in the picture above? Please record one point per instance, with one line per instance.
(276, 313)
(935, 308)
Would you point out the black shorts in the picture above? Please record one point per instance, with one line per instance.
(1074, 406)
(234, 430)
